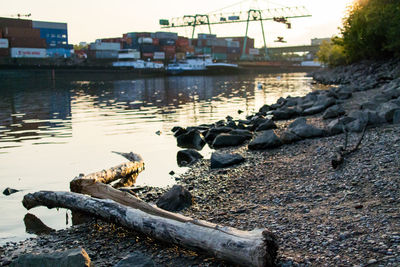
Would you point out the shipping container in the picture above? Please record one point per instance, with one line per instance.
(166, 35)
(4, 52)
(156, 41)
(180, 56)
(58, 52)
(55, 38)
(103, 54)
(130, 35)
(169, 49)
(203, 50)
(233, 50)
(49, 25)
(233, 57)
(159, 55)
(21, 52)
(20, 32)
(3, 43)
(219, 56)
(167, 42)
(218, 42)
(27, 42)
(143, 34)
(128, 54)
(230, 43)
(113, 40)
(148, 48)
(182, 41)
(21, 23)
(206, 36)
(254, 51)
(105, 46)
(146, 56)
(219, 49)
(145, 40)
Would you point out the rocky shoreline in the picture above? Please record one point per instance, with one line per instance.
(322, 216)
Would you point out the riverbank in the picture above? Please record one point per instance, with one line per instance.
(321, 216)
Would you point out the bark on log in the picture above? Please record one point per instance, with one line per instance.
(254, 248)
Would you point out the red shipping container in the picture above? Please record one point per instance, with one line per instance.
(169, 49)
(21, 23)
(156, 41)
(4, 52)
(143, 34)
(219, 49)
(194, 42)
(182, 41)
(147, 55)
(21, 32)
(27, 42)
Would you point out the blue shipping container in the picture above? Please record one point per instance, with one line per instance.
(55, 38)
(58, 52)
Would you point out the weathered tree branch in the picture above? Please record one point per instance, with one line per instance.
(342, 152)
(254, 248)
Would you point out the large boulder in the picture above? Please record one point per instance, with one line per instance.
(303, 130)
(222, 160)
(192, 139)
(333, 112)
(337, 125)
(396, 117)
(285, 113)
(136, 259)
(187, 157)
(225, 140)
(68, 258)
(176, 199)
(265, 140)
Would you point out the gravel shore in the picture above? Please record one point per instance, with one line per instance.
(321, 216)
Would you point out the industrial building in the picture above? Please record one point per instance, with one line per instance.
(21, 38)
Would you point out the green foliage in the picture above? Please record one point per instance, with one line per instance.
(331, 53)
(371, 30)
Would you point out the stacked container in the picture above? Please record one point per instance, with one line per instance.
(55, 35)
(104, 50)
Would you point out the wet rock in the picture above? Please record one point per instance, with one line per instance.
(356, 125)
(266, 125)
(304, 130)
(187, 157)
(34, 225)
(136, 259)
(222, 160)
(396, 117)
(212, 133)
(265, 140)
(179, 131)
(265, 108)
(387, 110)
(192, 139)
(225, 140)
(69, 258)
(369, 105)
(285, 113)
(8, 191)
(176, 199)
(245, 133)
(333, 112)
(336, 126)
(289, 137)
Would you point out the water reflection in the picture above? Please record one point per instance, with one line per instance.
(50, 131)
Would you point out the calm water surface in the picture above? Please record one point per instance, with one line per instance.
(51, 131)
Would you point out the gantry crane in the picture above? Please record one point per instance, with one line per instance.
(280, 15)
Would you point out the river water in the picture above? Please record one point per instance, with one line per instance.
(53, 130)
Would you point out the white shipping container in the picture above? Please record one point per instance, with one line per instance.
(3, 43)
(128, 55)
(254, 51)
(105, 46)
(145, 40)
(17, 52)
(159, 55)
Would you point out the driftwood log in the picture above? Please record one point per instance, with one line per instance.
(254, 248)
(127, 172)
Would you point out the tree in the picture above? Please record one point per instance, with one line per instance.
(332, 53)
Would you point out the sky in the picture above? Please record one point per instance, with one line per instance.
(92, 19)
